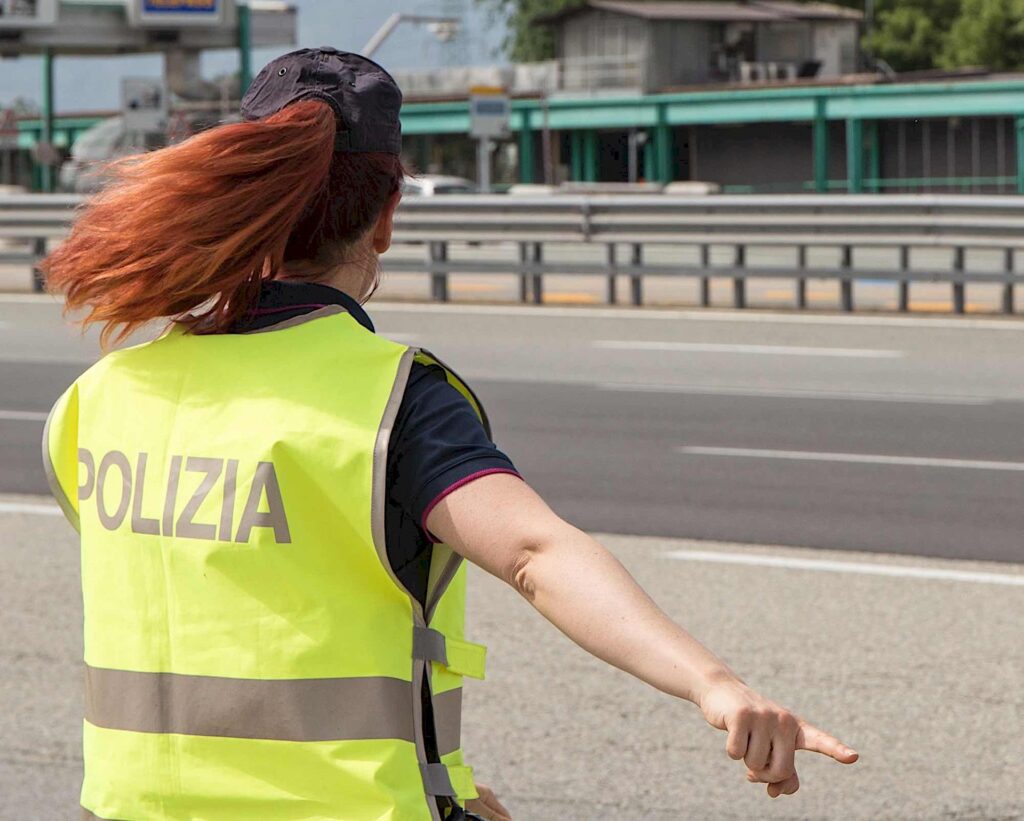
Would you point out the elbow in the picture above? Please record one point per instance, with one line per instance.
(522, 571)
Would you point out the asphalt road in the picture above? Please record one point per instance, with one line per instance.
(895, 435)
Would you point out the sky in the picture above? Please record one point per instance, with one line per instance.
(345, 24)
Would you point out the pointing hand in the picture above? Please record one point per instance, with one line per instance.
(766, 736)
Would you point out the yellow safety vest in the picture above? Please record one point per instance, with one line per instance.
(250, 653)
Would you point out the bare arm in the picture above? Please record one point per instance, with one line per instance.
(500, 524)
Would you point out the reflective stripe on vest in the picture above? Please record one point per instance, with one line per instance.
(250, 652)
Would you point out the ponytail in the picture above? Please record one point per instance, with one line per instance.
(196, 226)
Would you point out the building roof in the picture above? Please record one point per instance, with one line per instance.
(750, 11)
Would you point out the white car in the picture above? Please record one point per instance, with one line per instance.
(432, 185)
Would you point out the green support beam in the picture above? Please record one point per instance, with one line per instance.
(46, 173)
(820, 146)
(855, 156)
(650, 161)
(874, 147)
(591, 156)
(1020, 154)
(576, 156)
(663, 148)
(244, 48)
(526, 161)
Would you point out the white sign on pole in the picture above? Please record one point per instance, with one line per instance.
(8, 129)
(175, 13)
(490, 111)
(144, 104)
(19, 14)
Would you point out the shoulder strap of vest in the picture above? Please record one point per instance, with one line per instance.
(425, 357)
(60, 453)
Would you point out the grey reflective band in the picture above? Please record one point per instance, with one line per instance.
(325, 709)
(66, 507)
(429, 645)
(436, 780)
(91, 816)
(448, 720)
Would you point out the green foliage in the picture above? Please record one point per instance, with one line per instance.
(987, 33)
(909, 35)
(527, 41)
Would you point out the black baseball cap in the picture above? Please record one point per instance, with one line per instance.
(365, 98)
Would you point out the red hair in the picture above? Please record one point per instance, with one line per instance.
(188, 232)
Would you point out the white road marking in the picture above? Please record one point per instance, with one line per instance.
(784, 393)
(861, 568)
(708, 315)
(34, 510)
(856, 458)
(756, 350)
(32, 298)
(23, 416)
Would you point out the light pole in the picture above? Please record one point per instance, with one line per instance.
(444, 28)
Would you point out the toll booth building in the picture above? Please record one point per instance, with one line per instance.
(618, 45)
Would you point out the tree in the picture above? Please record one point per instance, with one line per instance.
(987, 33)
(528, 41)
(911, 34)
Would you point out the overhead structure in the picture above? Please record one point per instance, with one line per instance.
(179, 29)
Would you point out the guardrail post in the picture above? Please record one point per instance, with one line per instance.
(636, 281)
(705, 281)
(438, 252)
(1009, 265)
(538, 281)
(739, 283)
(38, 252)
(845, 283)
(613, 294)
(524, 257)
(801, 283)
(959, 302)
(904, 305)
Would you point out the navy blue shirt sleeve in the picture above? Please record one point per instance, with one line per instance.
(438, 444)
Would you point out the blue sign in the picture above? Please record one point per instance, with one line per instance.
(204, 8)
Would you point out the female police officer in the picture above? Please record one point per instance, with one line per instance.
(274, 502)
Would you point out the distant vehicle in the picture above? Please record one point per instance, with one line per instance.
(432, 185)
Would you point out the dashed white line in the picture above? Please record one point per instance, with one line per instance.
(856, 458)
(796, 393)
(31, 509)
(861, 568)
(756, 350)
(22, 416)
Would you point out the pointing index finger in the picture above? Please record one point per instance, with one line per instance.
(811, 738)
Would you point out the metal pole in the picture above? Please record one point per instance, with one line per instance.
(613, 295)
(46, 170)
(820, 146)
(739, 284)
(483, 164)
(633, 150)
(1020, 155)
(855, 156)
(636, 281)
(549, 171)
(526, 148)
(244, 49)
(959, 301)
(845, 283)
(1009, 265)
(904, 281)
(705, 281)
(801, 283)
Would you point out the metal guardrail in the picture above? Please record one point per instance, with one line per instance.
(847, 223)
